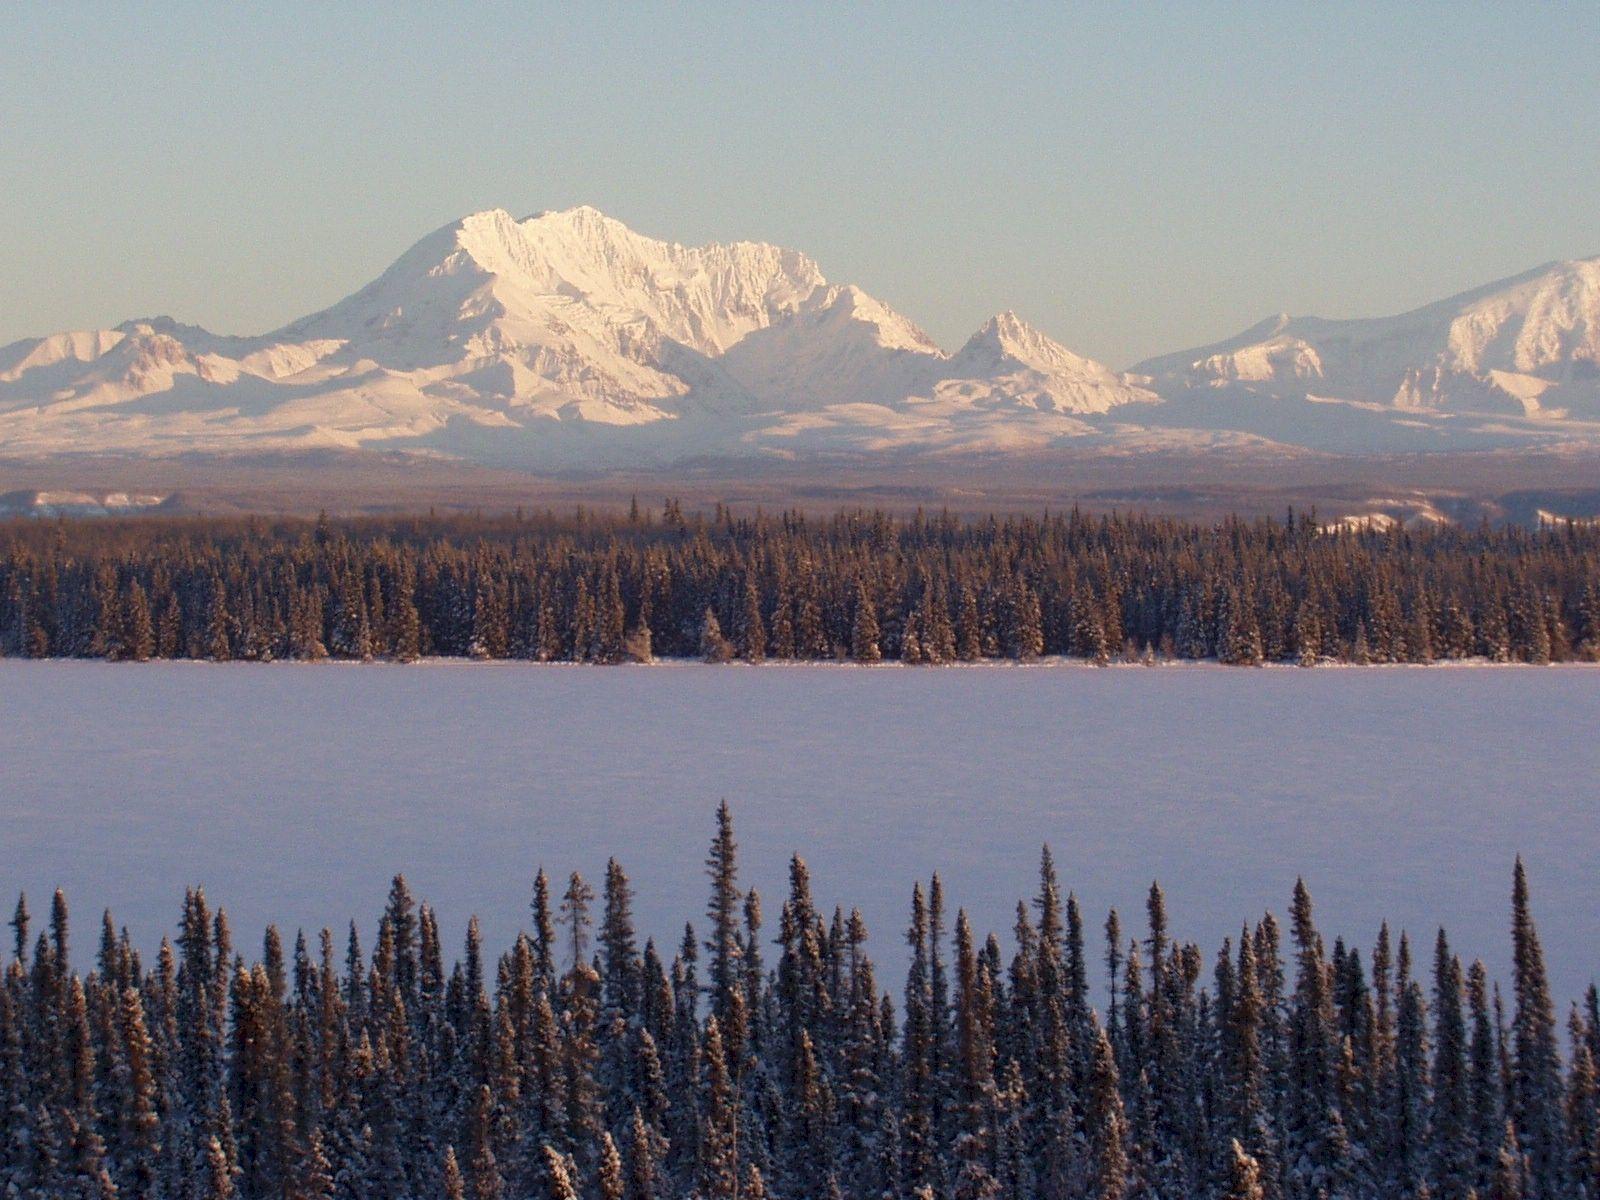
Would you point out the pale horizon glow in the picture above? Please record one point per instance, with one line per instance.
(1131, 183)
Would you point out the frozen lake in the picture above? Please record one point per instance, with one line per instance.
(293, 793)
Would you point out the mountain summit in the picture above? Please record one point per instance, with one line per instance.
(568, 339)
(1524, 346)
(1020, 365)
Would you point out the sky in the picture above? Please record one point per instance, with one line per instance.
(1132, 181)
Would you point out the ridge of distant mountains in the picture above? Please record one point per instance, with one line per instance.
(568, 340)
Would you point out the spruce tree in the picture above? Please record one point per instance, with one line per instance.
(864, 630)
(1315, 1125)
(609, 1182)
(1536, 1078)
(610, 621)
(1488, 1109)
(644, 1158)
(969, 628)
(575, 913)
(484, 1170)
(1244, 1176)
(19, 930)
(1410, 1113)
(139, 1143)
(1107, 1126)
(783, 642)
(714, 648)
(453, 1186)
(560, 1177)
(620, 965)
(751, 631)
(215, 1073)
(1509, 1179)
(719, 1131)
(138, 640)
(554, 587)
(722, 911)
(1450, 1127)
(1582, 1114)
(918, 1055)
(314, 1177)
(219, 1173)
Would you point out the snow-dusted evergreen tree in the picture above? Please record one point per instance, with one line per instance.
(1317, 1147)
(645, 1149)
(1451, 1165)
(1238, 634)
(718, 1134)
(1409, 1115)
(602, 589)
(713, 646)
(621, 969)
(1244, 1176)
(1536, 1074)
(1106, 1125)
(750, 631)
(298, 1076)
(452, 1185)
(1582, 1113)
(723, 914)
(864, 629)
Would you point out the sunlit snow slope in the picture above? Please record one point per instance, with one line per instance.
(568, 339)
(1525, 346)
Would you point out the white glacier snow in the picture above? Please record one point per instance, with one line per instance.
(1525, 346)
(568, 339)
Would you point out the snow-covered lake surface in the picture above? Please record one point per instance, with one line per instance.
(293, 793)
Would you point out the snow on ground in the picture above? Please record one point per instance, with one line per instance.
(293, 793)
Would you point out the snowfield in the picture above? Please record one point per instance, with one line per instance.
(293, 793)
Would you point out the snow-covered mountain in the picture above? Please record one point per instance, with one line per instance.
(562, 337)
(1010, 364)
(1528, 346)
(567, 339)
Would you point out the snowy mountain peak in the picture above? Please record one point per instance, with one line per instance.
(1007, 325)
(1006, 337)
(492, 332)
(568, 339)
(1034, 370)
(892, 330)
(1528, 345)
(577, 214)
(490, 266)
(1006, 342)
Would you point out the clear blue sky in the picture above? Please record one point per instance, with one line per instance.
(1130, 181)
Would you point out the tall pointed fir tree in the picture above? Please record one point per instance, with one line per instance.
(1536, 1075)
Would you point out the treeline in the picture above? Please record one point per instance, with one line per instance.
(758, 1061)
(859, 586)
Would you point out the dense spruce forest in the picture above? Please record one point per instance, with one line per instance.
(858, 586)
(752, 1060)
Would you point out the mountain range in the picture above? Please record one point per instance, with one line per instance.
(568, 340)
